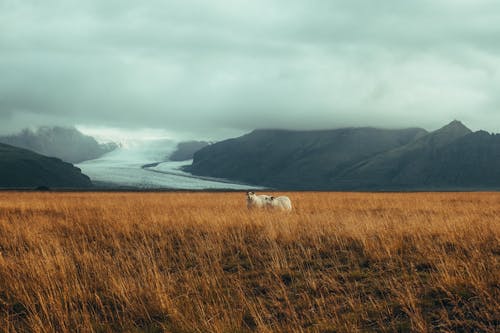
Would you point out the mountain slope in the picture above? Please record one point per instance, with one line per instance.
(185, 150)
(296, 159)
(20, 168)
(68, 144)
(408, 166)
(472, 161)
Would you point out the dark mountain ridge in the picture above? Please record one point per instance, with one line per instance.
(471, 161)
(298, 159)
(407, 166)
(452, 157)
(21, 168)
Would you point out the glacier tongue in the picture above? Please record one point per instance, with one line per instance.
(125, 167)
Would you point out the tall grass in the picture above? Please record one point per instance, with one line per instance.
(200, 262)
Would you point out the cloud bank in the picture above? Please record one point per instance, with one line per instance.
(203, 67)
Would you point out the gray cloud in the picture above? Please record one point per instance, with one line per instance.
(206, 66)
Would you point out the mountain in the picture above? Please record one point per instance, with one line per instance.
(296, 159)
(68, 144)
(185, 150)
(450, 158)
(21, 168)
(408, 166)
(472, 161)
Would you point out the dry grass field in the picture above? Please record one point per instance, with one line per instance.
(200, 262)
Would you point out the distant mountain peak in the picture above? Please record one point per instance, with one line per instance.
(457, 127)
(446, 134)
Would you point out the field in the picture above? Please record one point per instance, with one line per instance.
(200, 262)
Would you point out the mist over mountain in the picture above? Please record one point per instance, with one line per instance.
(186, 149)
(452, 157)
(66, 143)
(366, 158)
(21, 168)
(139, 71)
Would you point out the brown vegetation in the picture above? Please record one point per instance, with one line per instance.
(200, 262)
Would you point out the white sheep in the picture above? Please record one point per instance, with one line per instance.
(257, 201)
(282, 203)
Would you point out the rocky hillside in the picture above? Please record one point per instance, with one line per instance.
(68, 144)
(21, 168)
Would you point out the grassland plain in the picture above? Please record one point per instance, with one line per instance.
(200, 262)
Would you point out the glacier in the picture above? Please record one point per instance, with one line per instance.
(144, 164)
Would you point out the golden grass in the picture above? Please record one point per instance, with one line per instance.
(200, 262)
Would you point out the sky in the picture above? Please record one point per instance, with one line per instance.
(209, 69)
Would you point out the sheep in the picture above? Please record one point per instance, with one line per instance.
(282, 203)
(257, 201)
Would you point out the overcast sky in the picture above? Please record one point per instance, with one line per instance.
(221, 66)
